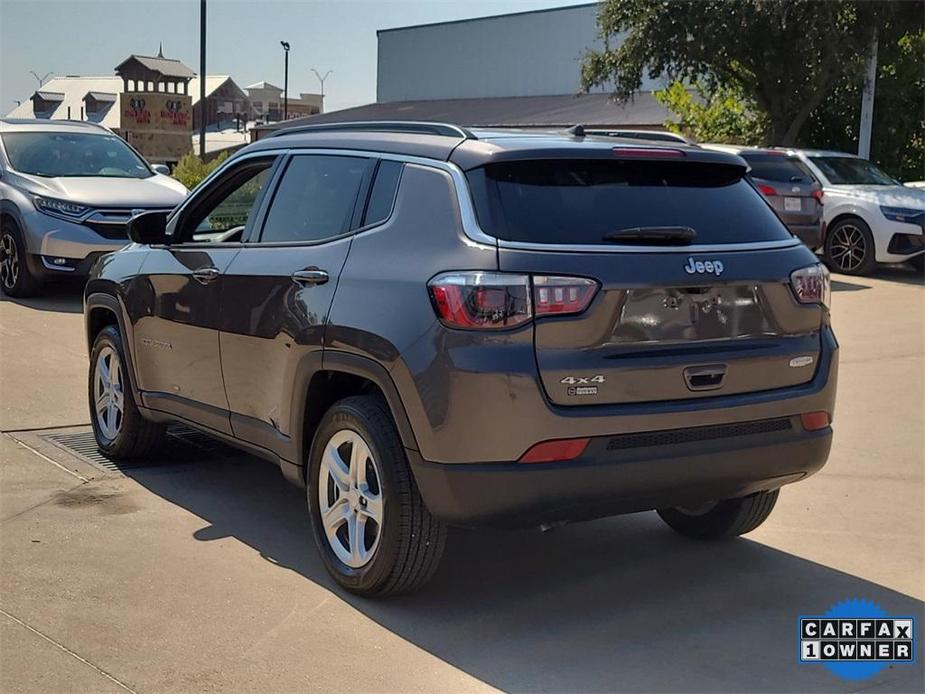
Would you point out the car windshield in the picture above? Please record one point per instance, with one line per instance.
(852, 171)
(73, 154)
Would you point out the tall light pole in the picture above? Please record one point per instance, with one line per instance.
(285, 45)
(322, 79)
(202, 79)
(41, 80)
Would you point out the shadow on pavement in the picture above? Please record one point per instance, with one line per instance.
(840, 286)
(618, 604)
(62, 297)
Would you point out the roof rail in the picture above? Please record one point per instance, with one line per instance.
(382, 126)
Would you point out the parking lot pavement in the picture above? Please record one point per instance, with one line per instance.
(199, 574)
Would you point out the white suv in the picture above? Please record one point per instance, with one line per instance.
(870, 217)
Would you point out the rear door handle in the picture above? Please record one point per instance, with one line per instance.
(204, 275)
(310, 276)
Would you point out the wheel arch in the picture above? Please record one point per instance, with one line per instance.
(340, 375)
(101, 310)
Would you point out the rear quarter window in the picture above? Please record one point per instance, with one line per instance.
(566, 201)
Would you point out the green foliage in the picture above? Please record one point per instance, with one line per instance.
(898, 138)
(190, 170)
(784, 58)
(721, 115)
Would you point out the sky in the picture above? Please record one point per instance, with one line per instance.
(91, 37)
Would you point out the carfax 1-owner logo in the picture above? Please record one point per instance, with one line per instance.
(856, 639)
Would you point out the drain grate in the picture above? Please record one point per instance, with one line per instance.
(182, 445)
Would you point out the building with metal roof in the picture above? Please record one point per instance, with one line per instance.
(518, 70)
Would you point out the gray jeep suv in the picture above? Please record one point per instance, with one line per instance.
(425, 325)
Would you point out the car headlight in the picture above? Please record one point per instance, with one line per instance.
(903, 214)
(60, 208)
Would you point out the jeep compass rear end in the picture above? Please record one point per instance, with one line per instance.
(493, 328)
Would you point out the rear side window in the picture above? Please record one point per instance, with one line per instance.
(383, 193)
(778, 168)
(315, 198)
(572, 201)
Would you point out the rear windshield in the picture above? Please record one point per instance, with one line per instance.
(579, 201)
(771, 167)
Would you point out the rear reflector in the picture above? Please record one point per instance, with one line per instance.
(813, 421)
(552, 451)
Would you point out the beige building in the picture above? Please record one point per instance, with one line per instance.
(266, 102)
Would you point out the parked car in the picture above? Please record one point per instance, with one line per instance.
(67, 191)
(789, 186)
(425, 325)
(871, 217)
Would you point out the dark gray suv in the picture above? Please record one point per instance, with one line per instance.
(425, 325)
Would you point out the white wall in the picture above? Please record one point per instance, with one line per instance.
(527, 54)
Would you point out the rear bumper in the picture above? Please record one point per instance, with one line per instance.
(624, 474)
(810, 234)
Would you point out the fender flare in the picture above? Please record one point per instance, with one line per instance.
(354, 364)
(114, 305)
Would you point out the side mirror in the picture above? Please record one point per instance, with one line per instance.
(161, 169)
(148, 227)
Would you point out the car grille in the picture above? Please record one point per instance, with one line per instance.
(113, 224)
(674, 437)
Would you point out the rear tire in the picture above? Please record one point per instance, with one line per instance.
(726, 518)
(120, 430)
(849, 247)
(378, 538)
(16, 279)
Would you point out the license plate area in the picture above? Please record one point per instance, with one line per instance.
(793, 204)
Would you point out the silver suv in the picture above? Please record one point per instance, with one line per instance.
(67, 191)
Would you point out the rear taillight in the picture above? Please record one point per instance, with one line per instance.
(481, 300)
(812, 285)
(766, 189)
(561, 295)
(814, 421)
(817, 196)
(496, 300)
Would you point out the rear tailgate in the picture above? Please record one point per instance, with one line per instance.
(672, 319)
(691, 336)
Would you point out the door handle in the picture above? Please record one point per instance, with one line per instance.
(310, 276)
(204, 275)
(708, 377)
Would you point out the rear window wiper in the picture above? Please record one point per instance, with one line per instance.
(665, 236)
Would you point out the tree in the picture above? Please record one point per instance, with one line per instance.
(722, 115)
(190, 170)
(785, 57)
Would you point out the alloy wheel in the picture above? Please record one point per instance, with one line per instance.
(108, 394)
(9, 261)
(350, 498)
(847, 247)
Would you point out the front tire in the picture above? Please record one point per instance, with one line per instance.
(849, 247)
(372, 529)
(722, 519)
(16, 279)
(120, 430)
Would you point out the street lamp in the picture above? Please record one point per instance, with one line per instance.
(285, 45)
(322, 79)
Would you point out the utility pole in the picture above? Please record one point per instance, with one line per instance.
(322, 79)
(202, 79)
(285, 45)
(867, 98)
